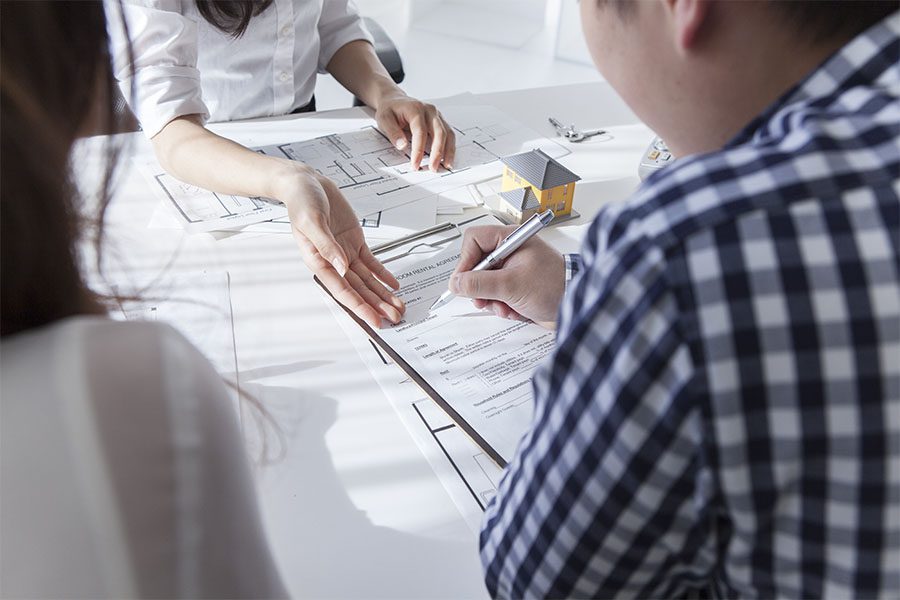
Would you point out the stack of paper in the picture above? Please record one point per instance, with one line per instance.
(373, 175)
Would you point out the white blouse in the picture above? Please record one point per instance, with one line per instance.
(184, 65)
(124, 472)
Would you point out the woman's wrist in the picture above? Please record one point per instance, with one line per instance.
(385, 90)
(283, 177)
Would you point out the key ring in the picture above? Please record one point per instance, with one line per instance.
(573, 134)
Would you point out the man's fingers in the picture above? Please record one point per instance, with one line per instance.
(419, 139)
(478, 242)
(488, 285)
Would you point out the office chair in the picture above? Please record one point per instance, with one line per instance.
(385, 49)
(387, 53)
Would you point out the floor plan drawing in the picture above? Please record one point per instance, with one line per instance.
(370, 172)
(351, 159)
(374, 175)
(203, 210)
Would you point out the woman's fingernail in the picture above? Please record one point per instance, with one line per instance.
(454, 284)
(339, 266)
(400, 144)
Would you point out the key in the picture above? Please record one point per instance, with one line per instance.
(580, 136)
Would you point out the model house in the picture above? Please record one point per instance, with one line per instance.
(534, 182)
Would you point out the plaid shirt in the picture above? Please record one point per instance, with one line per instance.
(722, 410)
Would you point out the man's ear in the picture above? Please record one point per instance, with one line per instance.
(688, 19)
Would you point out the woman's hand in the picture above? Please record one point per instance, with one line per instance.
(419, 126)
(333, 246)
(528, 286)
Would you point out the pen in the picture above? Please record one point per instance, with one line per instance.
(510, 244)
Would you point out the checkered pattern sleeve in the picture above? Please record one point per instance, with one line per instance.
(609, 493)
(573, 266)
(722, 409)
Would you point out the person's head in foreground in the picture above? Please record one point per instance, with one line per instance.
(722, 410)
(123, 472)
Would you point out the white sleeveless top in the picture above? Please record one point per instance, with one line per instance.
(122, 469)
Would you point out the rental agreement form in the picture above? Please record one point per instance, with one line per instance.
(478, 366)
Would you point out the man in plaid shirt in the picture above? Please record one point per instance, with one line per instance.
(722, 411)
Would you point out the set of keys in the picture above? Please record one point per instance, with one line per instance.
(573, 134)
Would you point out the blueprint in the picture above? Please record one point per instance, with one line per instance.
(374, 175)
(371, 173)
(197, 209)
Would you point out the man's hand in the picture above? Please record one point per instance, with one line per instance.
(529, 285)
(333, 247)
(412, 124)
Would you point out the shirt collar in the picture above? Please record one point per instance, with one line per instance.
(869, 58)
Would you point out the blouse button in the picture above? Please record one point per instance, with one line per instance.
(283, 76)
(285, 31)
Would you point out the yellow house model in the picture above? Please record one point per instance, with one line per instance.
(534, 182)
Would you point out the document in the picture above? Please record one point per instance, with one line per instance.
(476, 366)
(467, 473)
(199, 210)
(371, 173)
(383, 226)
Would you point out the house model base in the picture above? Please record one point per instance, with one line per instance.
(496, 205)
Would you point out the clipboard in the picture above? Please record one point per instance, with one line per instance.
(414, 375)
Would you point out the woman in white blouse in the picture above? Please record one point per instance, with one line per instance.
(123, 470)
(196, 61)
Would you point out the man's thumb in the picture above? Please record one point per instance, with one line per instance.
(485, 285)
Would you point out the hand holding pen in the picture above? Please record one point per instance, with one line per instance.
(528, 284)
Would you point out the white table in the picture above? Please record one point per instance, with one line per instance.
(352, 508)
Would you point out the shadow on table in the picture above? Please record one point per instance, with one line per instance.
(325, 546)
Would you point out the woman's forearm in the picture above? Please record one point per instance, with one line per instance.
(196, 155)
(356, 66)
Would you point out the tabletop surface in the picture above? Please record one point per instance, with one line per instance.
(351, 506)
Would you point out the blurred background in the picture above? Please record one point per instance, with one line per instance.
(453, 46)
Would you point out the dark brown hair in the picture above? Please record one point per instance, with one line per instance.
(815, 20)
(55, 84)
(231, 16)
(823, 20)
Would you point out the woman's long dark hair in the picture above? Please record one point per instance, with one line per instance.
(55, 84)
(231, 16)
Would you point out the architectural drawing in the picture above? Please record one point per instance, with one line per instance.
(370, 172)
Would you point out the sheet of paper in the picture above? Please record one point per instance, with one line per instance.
(382, 226)
(371, 173)
(198, 305)
(468, 475)
(199, 210)
(481, 365)
(374, 175)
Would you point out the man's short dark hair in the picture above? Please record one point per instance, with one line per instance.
(823, 20)
(816, 20)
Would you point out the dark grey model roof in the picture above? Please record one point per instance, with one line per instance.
(522, 199)
(539, 169)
